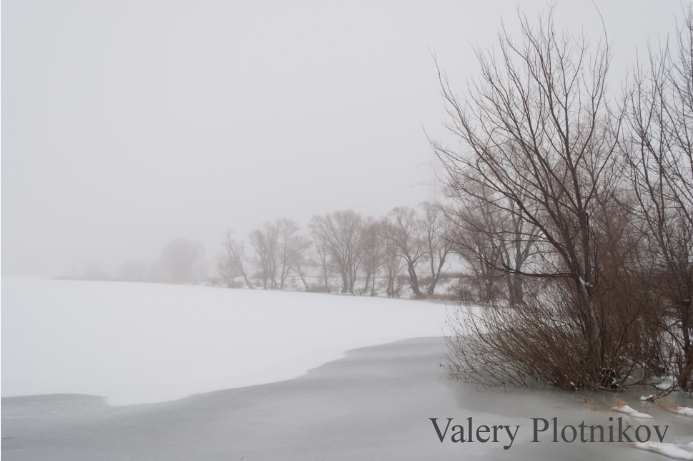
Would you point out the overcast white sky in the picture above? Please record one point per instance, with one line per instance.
(126, 124)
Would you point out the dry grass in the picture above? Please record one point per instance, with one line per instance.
(588, 403)
(664, 403)
(441, 297)
(618, 403)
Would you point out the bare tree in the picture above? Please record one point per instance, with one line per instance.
(392, 259)
(438, 236)
(265, 241)
(496, 241)
(291, 248)
(537, 131)
(407, 234)
(659, 149)
(475, 237)
(234, 260)
(226, 271)
(322, 247)
(372, 251)
(340, 233)
(304, 264)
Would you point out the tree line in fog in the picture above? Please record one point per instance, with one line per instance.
(344, 251)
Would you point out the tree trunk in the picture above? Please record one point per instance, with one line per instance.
(345, 283)
(413, 279)
(305, 284)
(436, 276)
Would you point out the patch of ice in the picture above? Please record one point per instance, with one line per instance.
(630, 411)
(667, 449)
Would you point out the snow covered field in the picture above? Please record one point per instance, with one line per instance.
(141, 343)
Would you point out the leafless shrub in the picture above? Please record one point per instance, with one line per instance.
(543, 338)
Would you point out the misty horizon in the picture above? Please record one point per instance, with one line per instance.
(127, 125)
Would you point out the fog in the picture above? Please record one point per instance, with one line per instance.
(126, 124)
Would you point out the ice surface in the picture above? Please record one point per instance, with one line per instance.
(139, 342)
(372, 404)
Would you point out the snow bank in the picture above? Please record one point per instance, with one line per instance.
(139, 342)
(630, 411)
(666, 383)
(667, 449)
(685, 411)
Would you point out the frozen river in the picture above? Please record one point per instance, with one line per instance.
(143, 343)
(373, 404)
(65, 343)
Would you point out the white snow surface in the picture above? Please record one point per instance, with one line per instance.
(140, 343)
(667, 449)
(666, 383)
(631, 411)
(685, 411)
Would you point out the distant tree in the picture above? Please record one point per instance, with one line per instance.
(494, 238)
(340, 233)
(94, 273)
(291, 249)
(322, 248)
(234, 261)
(180, 257)
(265, 242)
(132, 270)
(392, 259)
(372, 251)
(303, 265)
(407, 234)
(155, 271)
(437, 229)
(476, 243)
